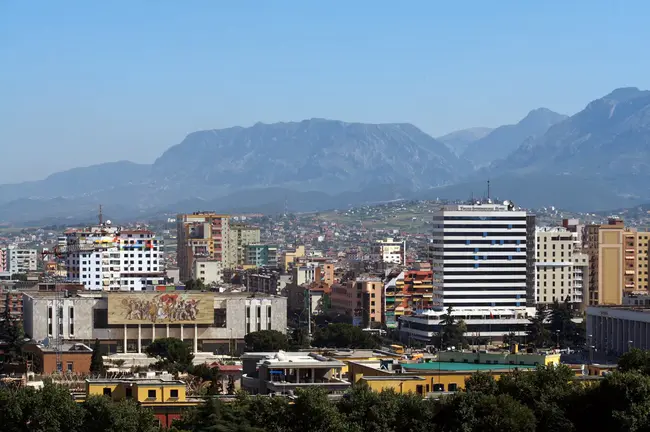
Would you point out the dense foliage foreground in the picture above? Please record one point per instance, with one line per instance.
(548, 399)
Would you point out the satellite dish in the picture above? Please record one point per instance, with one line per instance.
(506, 203)
(108, 222)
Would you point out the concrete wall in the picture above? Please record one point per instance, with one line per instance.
(238, 321)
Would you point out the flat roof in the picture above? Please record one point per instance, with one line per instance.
(140, 381)
(393, 378)
(455, 366)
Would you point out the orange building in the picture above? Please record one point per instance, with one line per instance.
(75, 358)
(409, 291)
(362, 299)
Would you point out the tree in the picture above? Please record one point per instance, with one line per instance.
(266, 340)
(453, 332)
(342, 335)
(96, 361)
(48, 409)
(563, 329)
(482, 383)
(510, 338)
(194, 285)
(299, 339)
(538, 334)
(208, 374)
(173, 354)
(103, 415)
(231, 385)
(635, 360)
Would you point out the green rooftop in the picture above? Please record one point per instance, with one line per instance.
(454, 366)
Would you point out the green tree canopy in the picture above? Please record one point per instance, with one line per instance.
(266, 340)
(453, 331)
(172, 354)
(341, 335)
(96, 361)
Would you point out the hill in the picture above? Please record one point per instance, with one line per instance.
(608, 142)
(503, 140)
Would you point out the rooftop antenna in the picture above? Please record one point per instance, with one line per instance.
(100, 216)
(488, 197)
(471, 198)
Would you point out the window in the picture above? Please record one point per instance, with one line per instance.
(151, 394)
(100, 318)
(107, 391)
(69, 366)
(452, 387)
(220, 318)
(173, 393)
(129, 392)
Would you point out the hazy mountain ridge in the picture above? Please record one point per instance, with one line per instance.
(328, 155)
(503, 140)
(608, 140)
(596, 159)
(458, 141)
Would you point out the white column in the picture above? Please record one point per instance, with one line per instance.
(153, 332)
(139, 338)
(313, 375)
(196, 338)
(182, 331)
(125, 349)
(167, 329)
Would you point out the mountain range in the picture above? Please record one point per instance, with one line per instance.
(593, 160)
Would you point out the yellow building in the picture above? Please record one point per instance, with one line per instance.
(423, 378)
(288, 257)
(347, 356)
(618, 261)
(448, 374)
(167, 398)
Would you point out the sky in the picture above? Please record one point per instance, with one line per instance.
(85, 82)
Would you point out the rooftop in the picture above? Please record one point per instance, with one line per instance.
(464, 367)
(140, 381)
(292, 359)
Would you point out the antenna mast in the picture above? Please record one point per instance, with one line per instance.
(488, 191)
(100, 216)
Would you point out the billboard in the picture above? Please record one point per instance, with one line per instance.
(161, 308)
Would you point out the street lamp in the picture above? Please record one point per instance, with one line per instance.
(629, 345)
(557, 335)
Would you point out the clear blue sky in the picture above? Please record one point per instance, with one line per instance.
(84, 82)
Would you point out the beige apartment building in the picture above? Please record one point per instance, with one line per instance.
(560, 267)
(290, 256)
(618, 259)
(362, 299)
(241, 235)
(201, 235)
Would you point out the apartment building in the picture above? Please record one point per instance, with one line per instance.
(240, 236)
(483, 256)
(202, 235)
(361, 298)
(107, 258)
(409, 291)
(389, 251)
(11, 302)
(289, 256)
(18, 260)
(207, 271)
(560, 267)
(260, 255)
(4, 264)
(618, 261)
